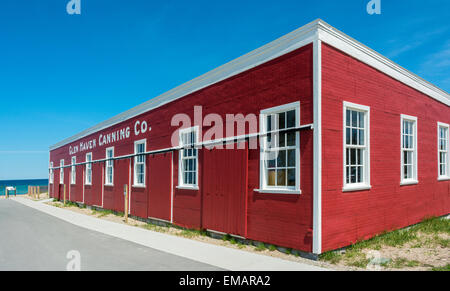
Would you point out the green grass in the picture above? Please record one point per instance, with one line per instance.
(104, 213)
(260, 247)
(444, 268)
(332, 257)
(272, 248)
(399, 263)
(432, 226)
(190, 233)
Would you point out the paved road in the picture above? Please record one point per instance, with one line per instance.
(32, 240)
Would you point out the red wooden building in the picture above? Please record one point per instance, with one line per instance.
(348, 145)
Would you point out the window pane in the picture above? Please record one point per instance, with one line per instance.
(354, 119)
(271, 177)
(281, 160)
(269, 123)
(291, 138)
(361, 137)
(353, 156)
(291, 119)
(291, 177)
(361, 119)
(282, 120)
(291, 158)
(347, 157)
(347, 136)
(353, 174)
(282, 142)
(281, 177)
(354, 136)
(271, 163)
(348, 115)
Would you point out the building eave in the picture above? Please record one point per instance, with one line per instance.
(304, 35)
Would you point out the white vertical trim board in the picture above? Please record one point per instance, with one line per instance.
(317, 168)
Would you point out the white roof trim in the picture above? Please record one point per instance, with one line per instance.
(315, 30)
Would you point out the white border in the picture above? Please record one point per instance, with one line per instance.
(367, 173)
(181, 184)
(440, 177)
(92, 170)
(262, 124)
(136, 185)
(71, 172)
(61, 171)
(106, 168)
(415, 179)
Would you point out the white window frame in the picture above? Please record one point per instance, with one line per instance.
(52, 173)
(181, 183)
(109, 163)
(414, 180)
(61, 171)
(88, 167)
(263, 184)
(447, 176)
(135, 182)
(73, 171)
(365, 185)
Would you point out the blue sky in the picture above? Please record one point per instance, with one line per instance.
(60, 73)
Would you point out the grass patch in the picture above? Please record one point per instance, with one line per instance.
(332, 257)
(260, 247)
(353, 255)
(399, 263)
(226, 237)
(190, 233)
(444, 268)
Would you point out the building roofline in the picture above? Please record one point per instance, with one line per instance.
(315, 30)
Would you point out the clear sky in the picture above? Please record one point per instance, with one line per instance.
(60, 73)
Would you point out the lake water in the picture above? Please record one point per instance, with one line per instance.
(21, 185)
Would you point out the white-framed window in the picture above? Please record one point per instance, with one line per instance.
(73, 172)
(443, 151)
(61, 172)
(109, 177)
(139, 163)
(88, 180)
(409, 149)
(280, 149)
(188, 158)
(52, 173)
(356, 156)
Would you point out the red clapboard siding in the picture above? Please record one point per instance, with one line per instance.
(279, 219)
(348, 217)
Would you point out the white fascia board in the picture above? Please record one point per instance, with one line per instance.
(357, 50)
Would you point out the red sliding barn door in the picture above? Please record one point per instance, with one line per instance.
(225, 190)
(160, 186)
